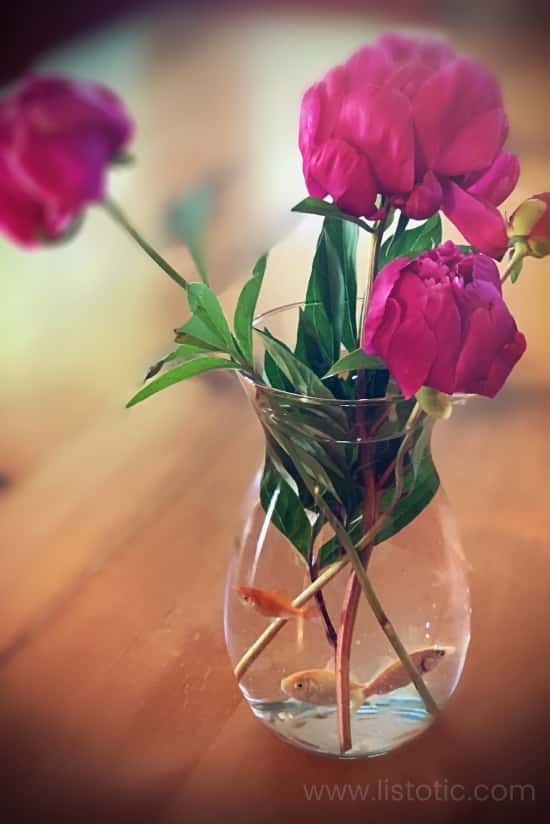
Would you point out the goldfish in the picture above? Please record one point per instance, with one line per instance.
(274, 604)
(318, 686)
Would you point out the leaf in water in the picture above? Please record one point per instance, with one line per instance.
(246, 307)
(302, 378)
(310, 346)
(181, 373)
(418, 493)
(316, 206)
(411, 242)
(285, 509)
(420, 488)
(354, 361)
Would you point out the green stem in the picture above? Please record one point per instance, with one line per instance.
(357, 564)
(372, 598)
(520, 251)
(330, 572)
(119, 217)
(371, 274)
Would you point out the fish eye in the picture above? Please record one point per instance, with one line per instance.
(299, 685)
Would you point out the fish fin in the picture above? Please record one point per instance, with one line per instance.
(330, 666)
(311, 612)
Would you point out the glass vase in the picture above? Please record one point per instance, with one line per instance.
(325, 674)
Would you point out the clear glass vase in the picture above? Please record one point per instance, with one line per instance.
(288, 665)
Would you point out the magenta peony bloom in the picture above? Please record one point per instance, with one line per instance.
(440, 321)
(409, 119)
(57, 138)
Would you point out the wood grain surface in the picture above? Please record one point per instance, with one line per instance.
(117, 701)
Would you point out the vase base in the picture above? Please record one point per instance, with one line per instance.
(377, 728)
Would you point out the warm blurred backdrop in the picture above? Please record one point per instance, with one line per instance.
(116, 698)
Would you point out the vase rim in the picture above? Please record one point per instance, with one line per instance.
(396, 397)
(458, 398)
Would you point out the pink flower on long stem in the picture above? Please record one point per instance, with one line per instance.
(409, 119)
(57, 139)
(440, 321)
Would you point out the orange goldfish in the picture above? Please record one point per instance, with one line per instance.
(274, 604)
(318, 686)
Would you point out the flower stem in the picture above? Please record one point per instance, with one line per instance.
(114, 210)
(347, 624)
(514, 267)
(263, 640)
(275, 626)
(371, 274)
(330, 632)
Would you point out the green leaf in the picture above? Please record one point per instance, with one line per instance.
(181, 373)
(302, 378)
(190, 218)
(181, 353)
(246, 307)
(419, 491)
(412, 242)
(207, 323)
(285, 509)
(354, 361)
(420, 487)
(316, 206)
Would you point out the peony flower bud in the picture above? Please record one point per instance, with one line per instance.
(530, 225)
(440, 321)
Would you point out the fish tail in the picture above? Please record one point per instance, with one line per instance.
(311, 612)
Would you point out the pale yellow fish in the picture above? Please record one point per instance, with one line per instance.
(318, 686)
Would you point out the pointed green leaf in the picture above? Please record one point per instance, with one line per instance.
(246, 307)
(412, 242)
(315, 206)
(181, 353)
(284, 509)
(207, 323)
(181, 373)
(354, 361)
(302, 378)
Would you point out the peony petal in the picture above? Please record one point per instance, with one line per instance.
(65, 135)
(21, 215)
(425, 199)
(382, 337)
(459, 120)
(481, 224)
(368, 66)
(379, 123)
(411, 354)
(381, 291)
(443, 318)
(485, 268)
(503, 365)
(337, 168)
(489, 328)
(498, 181)
(320, 109)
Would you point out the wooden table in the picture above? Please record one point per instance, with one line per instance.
(117, 701)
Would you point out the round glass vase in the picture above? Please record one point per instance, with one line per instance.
(289, 665)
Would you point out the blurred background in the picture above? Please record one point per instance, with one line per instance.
(102, 600)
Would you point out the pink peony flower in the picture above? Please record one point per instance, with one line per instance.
(409, 119)
(57, 138)
(440, 321)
